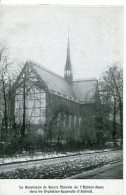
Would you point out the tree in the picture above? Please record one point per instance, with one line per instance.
(4, 81)
(111, 87)
(4, 88)
(7, 78)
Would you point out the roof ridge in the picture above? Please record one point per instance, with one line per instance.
(42, 67)
(85, 79)
(73, 99)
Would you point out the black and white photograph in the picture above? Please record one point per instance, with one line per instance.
(61, 92)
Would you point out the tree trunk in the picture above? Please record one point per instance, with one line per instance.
(121, 123)
(24, 110)
(5, 107)
(114, 123)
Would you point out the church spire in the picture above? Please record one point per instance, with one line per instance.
(68, 75)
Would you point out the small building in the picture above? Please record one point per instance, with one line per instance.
(55, 107)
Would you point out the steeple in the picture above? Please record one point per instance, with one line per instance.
(68, 75)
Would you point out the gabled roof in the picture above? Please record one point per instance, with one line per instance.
(85, 90)
(53, 81)
(82, 91)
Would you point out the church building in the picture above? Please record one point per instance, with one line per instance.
(55, 107)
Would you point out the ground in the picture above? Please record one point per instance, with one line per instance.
(59, 168)
(110, 171)
(25, 156)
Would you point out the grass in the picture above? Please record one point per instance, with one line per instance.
(61, 170)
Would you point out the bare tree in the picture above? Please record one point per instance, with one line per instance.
(5, 80)
(111, 86)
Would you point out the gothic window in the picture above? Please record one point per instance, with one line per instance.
(72, 122)
(75, 120)
(58, 119)
(79, 121)
(70, 118)
(64, 119)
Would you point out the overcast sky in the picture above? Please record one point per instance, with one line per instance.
(40, 33)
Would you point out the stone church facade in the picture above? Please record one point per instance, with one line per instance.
(55, 107)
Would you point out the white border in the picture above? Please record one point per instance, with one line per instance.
(85, 3)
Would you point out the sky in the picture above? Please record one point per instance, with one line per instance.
(40, 33)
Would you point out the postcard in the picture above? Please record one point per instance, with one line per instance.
(61, 99)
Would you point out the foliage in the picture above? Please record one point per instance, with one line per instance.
(111, 88)
(63, 169)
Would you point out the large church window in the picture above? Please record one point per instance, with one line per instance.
(79, 121)
(33, 99)
(70, 118)
(64, 120)
(75, 120)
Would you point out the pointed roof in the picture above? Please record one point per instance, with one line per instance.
(68, 60)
